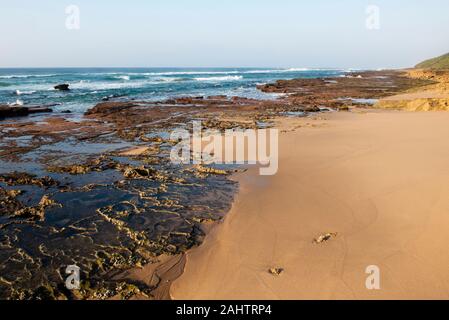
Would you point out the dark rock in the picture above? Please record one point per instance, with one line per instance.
(62, 87)
(7, 111)
(12, 111)
(66, 111)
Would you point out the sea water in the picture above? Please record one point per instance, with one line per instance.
(90, 85)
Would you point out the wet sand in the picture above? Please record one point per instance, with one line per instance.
(379, 179)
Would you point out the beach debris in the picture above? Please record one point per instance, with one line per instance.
(62, 87)
(276, 271)
(325, 238)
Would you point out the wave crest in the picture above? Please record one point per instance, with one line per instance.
(226, 78)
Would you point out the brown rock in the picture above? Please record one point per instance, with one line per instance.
(107, 108)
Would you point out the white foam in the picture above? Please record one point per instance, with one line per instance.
(262, 71)
(20, 76)
(19, 93)
(111, 85)
(298, 69)
(161, 79)
(17, 103)
(126, 78)
(226, 78)
(287, 70)
(181, 73)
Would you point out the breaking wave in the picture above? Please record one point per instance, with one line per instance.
(19, 93)
(226, 78)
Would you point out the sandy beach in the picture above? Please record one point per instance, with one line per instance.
(379, 179)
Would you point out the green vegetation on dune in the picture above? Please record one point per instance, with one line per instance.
(435, 63)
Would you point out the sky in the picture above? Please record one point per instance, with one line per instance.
(232, 33)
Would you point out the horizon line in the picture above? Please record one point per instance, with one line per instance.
(214, 67)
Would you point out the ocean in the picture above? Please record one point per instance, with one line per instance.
(90, 85)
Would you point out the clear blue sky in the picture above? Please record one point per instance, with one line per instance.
(231, 33)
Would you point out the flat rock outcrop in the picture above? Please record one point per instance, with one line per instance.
(7, 111)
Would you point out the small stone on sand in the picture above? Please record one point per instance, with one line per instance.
(325, 238)
(276, 271)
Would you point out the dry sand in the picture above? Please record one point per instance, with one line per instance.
(380, 179)
(136, 151)
(422, 94)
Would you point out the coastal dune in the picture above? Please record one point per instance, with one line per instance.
(377, 180)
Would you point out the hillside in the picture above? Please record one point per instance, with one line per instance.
(435, 63)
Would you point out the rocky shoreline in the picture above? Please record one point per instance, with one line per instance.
(100, 191)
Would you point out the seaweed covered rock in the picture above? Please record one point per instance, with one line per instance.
(95, 165)
(12, 207)
(9, 202)
(23, 178)
(36, 213)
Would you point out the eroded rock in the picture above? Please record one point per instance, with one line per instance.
(23, 178)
